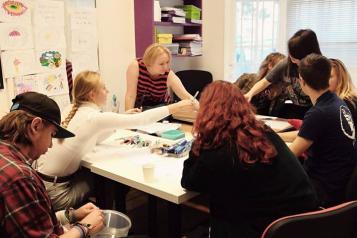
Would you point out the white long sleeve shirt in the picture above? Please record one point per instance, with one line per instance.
(90, 127)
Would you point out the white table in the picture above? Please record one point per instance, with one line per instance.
(123, 164)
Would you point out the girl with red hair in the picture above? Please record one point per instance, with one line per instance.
(248, 171)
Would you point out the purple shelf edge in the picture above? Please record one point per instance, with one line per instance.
(160, 23)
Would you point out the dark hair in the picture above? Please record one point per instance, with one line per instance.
(302, 43)
(225, 116)
(315, 70)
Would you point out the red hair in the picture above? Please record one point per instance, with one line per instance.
(225, 116)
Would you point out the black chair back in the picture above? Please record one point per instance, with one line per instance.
(194, 80)
(334, 222)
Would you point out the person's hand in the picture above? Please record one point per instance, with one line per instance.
(133, 110)
(96, 221)
(84, 210)
(196, 105)
(186, 104)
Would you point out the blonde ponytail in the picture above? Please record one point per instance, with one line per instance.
(70, 115)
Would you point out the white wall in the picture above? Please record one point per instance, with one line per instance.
(116, 43)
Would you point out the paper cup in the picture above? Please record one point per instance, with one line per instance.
(149, 172)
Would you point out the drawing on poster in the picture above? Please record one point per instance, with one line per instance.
(15, 11)
(26, 83)
(51, 59)
(18, 63)
(14, 36)
(14, 8)
(54, 83)
(49, 13)
(49, 37)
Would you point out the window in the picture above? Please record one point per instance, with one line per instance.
(256, 28)
(334, 21)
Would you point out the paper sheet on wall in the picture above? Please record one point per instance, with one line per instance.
(62, 100)
(83, 18)
(48, 60)
(18, 63)
(27, 83)
(84, 60)
(49, 37)
(83, 39)
(49, 13)
(15, 11)
(15, 36)
(54, 83)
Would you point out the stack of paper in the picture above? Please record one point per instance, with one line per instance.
(173, 14)
(190, 44)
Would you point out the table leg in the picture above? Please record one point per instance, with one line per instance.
(174, 220)
(152, 216)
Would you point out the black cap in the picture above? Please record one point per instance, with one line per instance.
(42, 106)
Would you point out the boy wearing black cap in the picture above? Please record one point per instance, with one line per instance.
(25, 209)
(327, 133)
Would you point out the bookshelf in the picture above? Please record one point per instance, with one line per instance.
(145, 24)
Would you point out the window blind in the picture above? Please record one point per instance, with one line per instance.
(334, 22)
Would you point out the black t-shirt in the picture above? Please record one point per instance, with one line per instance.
(332, 155)
(293, 90)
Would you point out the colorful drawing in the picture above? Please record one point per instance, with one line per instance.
(51, 59)
(54, 83)
(14, 8)
(27, 83)
(15, 36)
(18, 63)
(15, 11)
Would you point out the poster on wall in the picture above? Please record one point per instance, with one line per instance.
(15, 36)
(83, 18)
(48, 60)
(18, 63)
(83, 39)
(26, 83)
(84, 60)
(62, 101)
(49, 13)
(49, 37)
(54, 83)
(15, 11)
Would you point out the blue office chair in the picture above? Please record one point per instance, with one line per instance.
(335, 222)
(194, 80)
